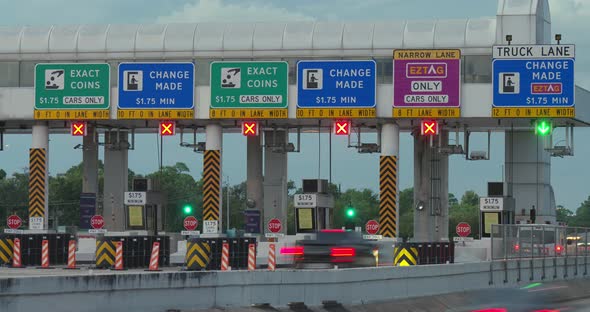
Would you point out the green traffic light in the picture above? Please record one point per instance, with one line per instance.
(543, 127)
(350, 212)
(187, 209)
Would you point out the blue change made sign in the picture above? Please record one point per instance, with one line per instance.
(336, 89)
(156, 86)
(539, 78)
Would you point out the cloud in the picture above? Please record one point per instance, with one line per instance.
(220, 11)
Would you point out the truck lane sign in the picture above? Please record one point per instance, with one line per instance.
(249, 90)
(336, 89)
(534, 81)
(156, 90)
(73, 91)
(427, 83)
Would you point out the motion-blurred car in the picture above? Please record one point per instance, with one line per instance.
(333, 248)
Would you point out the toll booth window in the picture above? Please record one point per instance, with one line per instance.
(27, 74)
(477, 69)
(202, 72)
(9, 74)
(384, 71)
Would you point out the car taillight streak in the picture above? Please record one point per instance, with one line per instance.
(342, 252)
(292, 251)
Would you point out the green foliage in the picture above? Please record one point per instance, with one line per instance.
(181, 189)
(465, 211)
(406, 213)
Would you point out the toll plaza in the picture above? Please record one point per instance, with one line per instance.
(436, 79)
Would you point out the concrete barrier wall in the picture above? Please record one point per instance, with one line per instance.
(199, 290)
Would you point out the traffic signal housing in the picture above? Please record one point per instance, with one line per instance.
(543, 127)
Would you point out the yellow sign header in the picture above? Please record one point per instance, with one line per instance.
(434, 54)
(71, 114)
(426, 112)
(155, 114)
(533, 112)
(248, 113)
(336, 113)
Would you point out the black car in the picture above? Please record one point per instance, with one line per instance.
(333, 248)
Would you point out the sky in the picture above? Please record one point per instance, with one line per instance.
(350, 169)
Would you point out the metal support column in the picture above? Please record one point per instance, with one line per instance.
(254, 178)
(115, 179)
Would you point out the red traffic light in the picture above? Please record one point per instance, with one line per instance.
(250, 128)
(78, 128)
(342, 127)
(167, 128)
(429, 127)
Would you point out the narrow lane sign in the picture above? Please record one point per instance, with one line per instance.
(427, 83)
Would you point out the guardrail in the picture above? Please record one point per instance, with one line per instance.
(539, 250)
(515, 241)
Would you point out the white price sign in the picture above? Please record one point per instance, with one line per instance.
(210, 227)
(190, 233)
(274, 235)
(13, 231)
(491, 203)
(36, 223)
(135, 198)
(372, 237)
(462, 239)
(306, 200)
(97, 231)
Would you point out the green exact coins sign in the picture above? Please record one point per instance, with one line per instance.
(72, 86)
(249, 84)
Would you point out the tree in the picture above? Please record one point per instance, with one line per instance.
(14, 192)
(582, 217)
(563, 214)
(181, 189)
(453, 200)
(465, 211)
(470, 198)
(406, 213)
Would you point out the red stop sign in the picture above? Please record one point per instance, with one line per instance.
(463, 229)
(14, 222)
(190, 223)
(372, 227)
(97, 222)
(275, 225)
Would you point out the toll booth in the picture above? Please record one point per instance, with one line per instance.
(495, 209)
(144, 207)
(314, 208)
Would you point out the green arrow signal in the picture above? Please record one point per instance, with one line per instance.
(543, 128)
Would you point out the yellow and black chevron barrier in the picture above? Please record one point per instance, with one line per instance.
(388, 196)
(6, 245)
(211, 184)
(198, 255)
(37, 182)
(405, 255)
(105, 254)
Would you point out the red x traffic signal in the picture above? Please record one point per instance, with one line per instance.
(167, 128)
(342, 127)
(78, 128)
(429, 127)
(249, 128)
